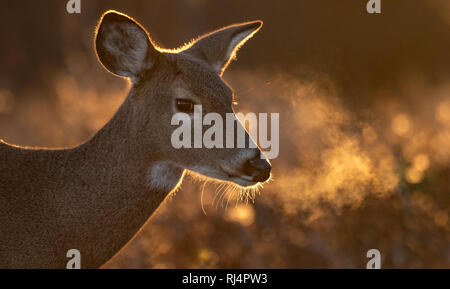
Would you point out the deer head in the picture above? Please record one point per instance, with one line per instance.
(166, 82)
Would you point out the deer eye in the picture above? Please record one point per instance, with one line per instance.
(185, 105)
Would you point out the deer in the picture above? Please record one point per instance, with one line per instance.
(96, 197)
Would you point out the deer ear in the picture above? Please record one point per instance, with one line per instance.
(219, 47)
(123, 46)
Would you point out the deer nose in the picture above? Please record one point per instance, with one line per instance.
(259, 169)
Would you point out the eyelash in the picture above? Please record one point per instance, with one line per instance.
(185, 105)
(234, 100)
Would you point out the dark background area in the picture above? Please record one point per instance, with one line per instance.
(364, 102)
(360, 52)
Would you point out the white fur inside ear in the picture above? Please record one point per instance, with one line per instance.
(236, 43)
(129, 44)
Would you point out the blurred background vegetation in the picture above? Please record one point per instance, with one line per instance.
(364, 103)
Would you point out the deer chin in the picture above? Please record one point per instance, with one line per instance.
(238, 178)
(220, 174)
(242, 181)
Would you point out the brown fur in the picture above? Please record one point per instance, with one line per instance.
(96, 197)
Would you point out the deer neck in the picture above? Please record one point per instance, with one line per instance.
(93, 198)
(127, 183)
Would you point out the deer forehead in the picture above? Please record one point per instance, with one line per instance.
(196, 79)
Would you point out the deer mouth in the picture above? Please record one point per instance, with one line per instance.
(238, 177)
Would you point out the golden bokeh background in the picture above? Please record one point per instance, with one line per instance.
(364, 103)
